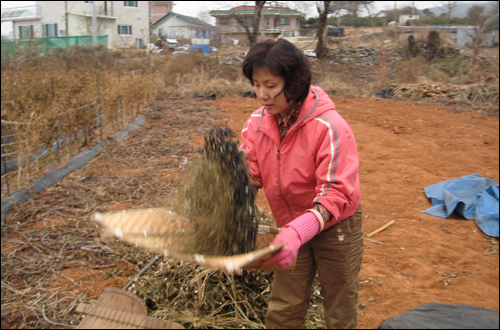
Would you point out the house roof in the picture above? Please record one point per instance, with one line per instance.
(250, 10)
(382, 13)
(491, 24)
(188, 19)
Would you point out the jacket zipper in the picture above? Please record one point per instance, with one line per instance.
(279, 185)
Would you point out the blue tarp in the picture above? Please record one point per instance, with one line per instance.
(202, 48)
(471, 196)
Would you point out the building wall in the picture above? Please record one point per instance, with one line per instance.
(175, 27)
(490, 38)
(79, 20)
(405, 18)
(138, 17)
(51, 12)
(274, 23)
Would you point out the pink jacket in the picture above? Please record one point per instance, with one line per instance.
(317, 161)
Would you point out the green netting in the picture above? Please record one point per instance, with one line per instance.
(23, 49)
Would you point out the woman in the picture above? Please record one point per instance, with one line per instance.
(303, 154)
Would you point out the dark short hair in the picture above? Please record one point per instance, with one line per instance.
(282, 59)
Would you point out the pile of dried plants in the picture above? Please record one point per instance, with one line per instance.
(53, 257)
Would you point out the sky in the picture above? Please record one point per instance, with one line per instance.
(200, 9)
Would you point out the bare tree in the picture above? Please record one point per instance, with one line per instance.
(323, 9)
(449, 7)
(204, 16)
(354, 8)
(369, 7)
(427, 12)
(302, 6)
(252, 32)
(408, 10)
(475, 13)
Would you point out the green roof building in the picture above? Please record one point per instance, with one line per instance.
(275, 21)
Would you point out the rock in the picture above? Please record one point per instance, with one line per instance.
(210, 97)
(385, 94)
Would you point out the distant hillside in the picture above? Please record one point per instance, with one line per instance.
(460, 10)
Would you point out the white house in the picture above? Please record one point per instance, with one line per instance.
(489, 31)
(174, 25)
(126, 23)
(403, 19)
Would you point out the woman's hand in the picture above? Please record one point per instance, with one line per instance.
(288, 253)
(294, 234)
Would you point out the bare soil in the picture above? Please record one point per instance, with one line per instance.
(403, 148)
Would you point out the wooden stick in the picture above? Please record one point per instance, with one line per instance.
(374, 241)
(151, 263)
(387, 225)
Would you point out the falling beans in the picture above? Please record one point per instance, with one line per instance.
(220, 194)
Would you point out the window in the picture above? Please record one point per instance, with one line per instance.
(26, 32)
(267, 21)
(250, 22)
(224, 21)
(130, 3)
(49, 30)
(89, 1)
(125, 29)
(284, 20)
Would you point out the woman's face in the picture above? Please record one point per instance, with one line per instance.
(267, 87)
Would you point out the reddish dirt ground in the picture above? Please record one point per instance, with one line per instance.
(403, 148)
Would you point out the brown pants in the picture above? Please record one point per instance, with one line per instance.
(336, 254)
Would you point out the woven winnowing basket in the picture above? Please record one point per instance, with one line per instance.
(120, 309)
(165, 232)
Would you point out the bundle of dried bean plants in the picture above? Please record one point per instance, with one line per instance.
(218, 197)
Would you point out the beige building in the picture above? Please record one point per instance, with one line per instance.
(274, 21)
(126, 23)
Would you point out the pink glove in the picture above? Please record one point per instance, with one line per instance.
(295, 234)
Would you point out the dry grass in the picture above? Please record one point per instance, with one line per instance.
(474, 71)
(54, 97)
(336, 83)
(187, 74)
(46, 238)
(53, 258)
(493, 248)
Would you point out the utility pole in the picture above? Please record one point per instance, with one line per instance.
(395, 11)
(94, 25)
